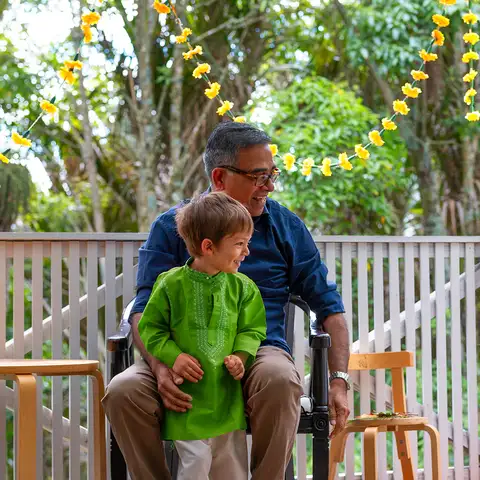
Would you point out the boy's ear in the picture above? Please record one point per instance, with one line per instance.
(206, 246)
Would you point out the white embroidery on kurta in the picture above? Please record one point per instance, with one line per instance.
(213, 350)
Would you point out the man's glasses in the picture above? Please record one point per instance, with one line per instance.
(260, 178)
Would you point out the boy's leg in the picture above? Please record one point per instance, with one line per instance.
(272, 392)
(132, 405)
(230, 456)
(195, 459)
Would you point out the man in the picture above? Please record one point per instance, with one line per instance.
(283, 260)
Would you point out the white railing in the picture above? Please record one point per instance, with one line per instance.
(400, 293)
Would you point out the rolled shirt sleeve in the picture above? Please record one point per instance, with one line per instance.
(308, 275)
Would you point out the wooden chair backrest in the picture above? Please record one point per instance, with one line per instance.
(396, 362)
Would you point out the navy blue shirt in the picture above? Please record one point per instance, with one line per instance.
(283, 259)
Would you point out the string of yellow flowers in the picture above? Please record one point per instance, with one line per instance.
(202, 69)
(400, 107)
(66, 74)
(470, 38)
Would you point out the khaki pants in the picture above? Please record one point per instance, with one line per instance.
(272, 390)
(224, 456)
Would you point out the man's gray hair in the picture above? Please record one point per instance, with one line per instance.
(225, 142)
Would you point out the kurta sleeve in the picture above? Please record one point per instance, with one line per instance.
(252, 324)
(154, 325)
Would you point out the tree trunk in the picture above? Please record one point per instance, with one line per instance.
(145, 117)
(176, 103)
(88, 157)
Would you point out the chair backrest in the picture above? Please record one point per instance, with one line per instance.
(394, 361)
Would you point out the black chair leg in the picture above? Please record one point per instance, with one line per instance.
(117, 462)
(172, 458)
(289, 474)
(320, 458)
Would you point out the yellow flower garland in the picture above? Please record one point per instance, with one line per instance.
(400, 106)
(470, 38)
(48, 107)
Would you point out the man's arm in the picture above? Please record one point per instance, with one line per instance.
(338, 356)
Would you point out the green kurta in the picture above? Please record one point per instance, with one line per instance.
(208, 318)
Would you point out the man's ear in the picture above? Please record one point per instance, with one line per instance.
(218, 179)
(206, 247)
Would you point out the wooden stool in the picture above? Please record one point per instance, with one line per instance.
(370, 427)
(23, 372)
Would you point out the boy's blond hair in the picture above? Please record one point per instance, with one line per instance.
(213, 216)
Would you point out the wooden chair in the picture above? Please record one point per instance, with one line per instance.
(23, 372)
(395, 361)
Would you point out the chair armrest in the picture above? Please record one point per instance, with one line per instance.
(120, 352)
(320, 342)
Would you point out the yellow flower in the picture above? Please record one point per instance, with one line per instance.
(418, 75)
(289, 161)
(470, 76)
(198, 50)
(184, 36)
(470, 18)
(438, 37)
(375, 137)
(19, 140)
(160, 7)
(343, 162)
(225, 107)
(274, 149)
(201, 69)
(473, 116)
(362, 152)
(90, 18)
(48, 107)
(67, 75)
(87, 31)
(427, 57)
(3, 158)
(467, 57)
(399, 106)
(213, 90)
(440, 20)
(307, 165)
(471, 37)
(325, 168)
(448, 2)
(412, 92)
(388, 124)
(471, 92)
(240, 119)
(73, 64)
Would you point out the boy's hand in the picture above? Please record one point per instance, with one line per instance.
(235, 366)
(188, 367)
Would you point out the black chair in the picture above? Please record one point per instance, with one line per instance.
(314, 416)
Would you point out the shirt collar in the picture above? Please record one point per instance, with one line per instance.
(196, 276)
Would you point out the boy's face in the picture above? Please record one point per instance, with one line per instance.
(228, 255)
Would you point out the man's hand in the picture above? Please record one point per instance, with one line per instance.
(235, 366)
(338, 410)
(173, 398)
(188, 367)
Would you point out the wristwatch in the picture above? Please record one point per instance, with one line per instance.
(343, 375)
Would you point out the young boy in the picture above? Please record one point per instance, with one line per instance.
(206, 321)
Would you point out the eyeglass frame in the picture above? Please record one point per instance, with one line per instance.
(273, 176)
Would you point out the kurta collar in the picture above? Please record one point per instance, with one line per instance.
(213, 281)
